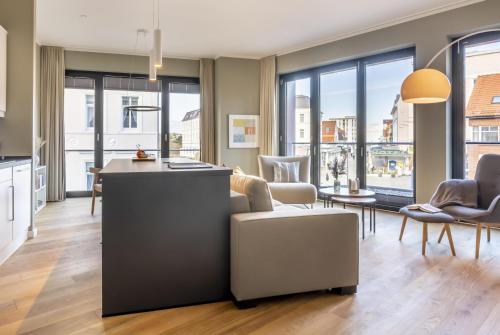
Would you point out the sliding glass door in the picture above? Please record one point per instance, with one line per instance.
(297, 118)
(389, 128)
(476, 102)
(354, 124)
(123, 130)
(184, 120)
(79, 127)
(98, 128)
(338, 127)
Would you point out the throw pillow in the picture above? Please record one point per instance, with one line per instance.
(286, 172)
(256, 190)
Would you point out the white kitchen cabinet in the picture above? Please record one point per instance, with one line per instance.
(15, 207)
(21, 180)
(3, 71)
(5, 208)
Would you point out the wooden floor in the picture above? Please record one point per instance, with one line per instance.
(52, 286)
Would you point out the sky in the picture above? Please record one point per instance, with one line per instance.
(338, 93)
(180, 104)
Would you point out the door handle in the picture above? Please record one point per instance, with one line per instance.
(12, 203)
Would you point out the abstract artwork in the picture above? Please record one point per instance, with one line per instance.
(243, 131)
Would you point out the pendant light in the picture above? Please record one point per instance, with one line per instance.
(152, 77)
(157, 37)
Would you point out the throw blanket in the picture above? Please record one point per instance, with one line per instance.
(462, 192)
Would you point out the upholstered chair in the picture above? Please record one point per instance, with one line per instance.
(488, 211)
(301, 192)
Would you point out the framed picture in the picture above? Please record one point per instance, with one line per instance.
(243, 131)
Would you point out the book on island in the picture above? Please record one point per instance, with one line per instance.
(428, 208)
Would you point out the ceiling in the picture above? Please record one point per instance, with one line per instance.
(233, 28)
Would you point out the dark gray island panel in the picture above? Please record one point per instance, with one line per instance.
(165, 236)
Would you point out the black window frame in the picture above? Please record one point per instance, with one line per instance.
(98, 78)
(384, 201)
(458, 138)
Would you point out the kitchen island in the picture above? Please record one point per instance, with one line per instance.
(165, 236)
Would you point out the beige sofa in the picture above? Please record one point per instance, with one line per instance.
(279, 249)
(302, 192)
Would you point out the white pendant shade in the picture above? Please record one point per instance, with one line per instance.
(157, 48)
(152, 67)
(426, 86)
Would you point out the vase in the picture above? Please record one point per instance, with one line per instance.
(336, 185)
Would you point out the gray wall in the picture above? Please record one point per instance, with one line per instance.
(16, 129)
(428, 35)
(105, 62)
(236, 92)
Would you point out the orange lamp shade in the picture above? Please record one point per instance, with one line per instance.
(426, 86)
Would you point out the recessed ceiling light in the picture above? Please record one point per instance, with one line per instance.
(83, 16)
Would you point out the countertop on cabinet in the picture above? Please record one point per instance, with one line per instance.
(10, 161)
(127, 166)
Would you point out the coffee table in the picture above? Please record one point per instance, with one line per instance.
(364, 198)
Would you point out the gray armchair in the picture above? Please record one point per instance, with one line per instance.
(488, 211)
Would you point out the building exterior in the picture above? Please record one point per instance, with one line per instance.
(190, 136)
(483, 120)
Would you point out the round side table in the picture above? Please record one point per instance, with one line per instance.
(362, 202)
(364, 198)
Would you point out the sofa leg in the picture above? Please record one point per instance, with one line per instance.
(244, 304)
(346, 290)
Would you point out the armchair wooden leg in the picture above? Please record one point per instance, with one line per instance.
(450, 239)
(93, 202)
(424, 237)
(488, 233)
(403, 225)
(478, 239)
(442, 234)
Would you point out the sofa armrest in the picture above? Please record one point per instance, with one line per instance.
(275, 253)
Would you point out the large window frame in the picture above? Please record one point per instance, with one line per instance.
(98, 129)
(385, 201)
(458, 135)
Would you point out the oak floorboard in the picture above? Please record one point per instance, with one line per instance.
(52, 285)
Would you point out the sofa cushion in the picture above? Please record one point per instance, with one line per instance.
(266, 166)
(294, 193)
(286, 172)
(238, 203)
(256, 190)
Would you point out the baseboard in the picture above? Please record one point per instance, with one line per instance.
(6, 252)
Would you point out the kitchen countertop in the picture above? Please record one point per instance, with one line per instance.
(10, 161)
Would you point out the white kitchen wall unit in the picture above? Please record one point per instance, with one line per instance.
(15, 207)
(3, 71)
(40, 188)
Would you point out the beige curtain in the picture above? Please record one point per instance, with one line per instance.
(52, 119)
(207, 118)
(268, 133)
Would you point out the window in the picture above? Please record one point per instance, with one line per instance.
(485, 134)
(476, 111)
(129, 118)
(89, 175)
(97, 129)
(354, 115)
(89, 106)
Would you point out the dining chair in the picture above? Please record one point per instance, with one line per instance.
(96, 185)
